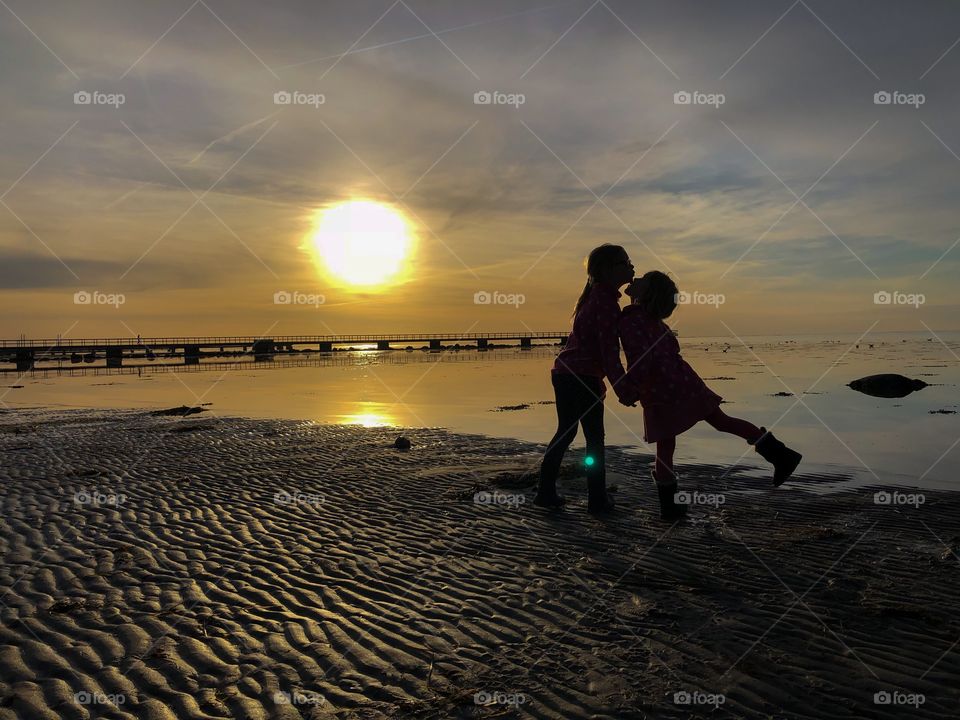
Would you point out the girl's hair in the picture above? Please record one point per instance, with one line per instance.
(599, 261)
(655, 292)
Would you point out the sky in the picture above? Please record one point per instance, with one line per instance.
(183, 198)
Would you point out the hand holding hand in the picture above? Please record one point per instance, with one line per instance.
(627, 394)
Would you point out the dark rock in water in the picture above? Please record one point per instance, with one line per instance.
(887, 385)
(782, 394)
(181, 411)
(401, 443)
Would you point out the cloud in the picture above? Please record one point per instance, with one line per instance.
(224, 139)
(597, 102)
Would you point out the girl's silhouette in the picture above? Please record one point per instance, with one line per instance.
(673, 396)
(591, 353)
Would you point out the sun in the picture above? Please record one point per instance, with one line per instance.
(362, 242)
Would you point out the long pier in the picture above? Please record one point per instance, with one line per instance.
(25, 352)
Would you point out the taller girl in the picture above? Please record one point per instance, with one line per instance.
(592, 352)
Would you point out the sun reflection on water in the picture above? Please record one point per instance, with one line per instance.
(368, 419)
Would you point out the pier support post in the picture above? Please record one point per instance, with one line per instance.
(263, 349)
(482, 344)
(114, 357)
(526, 343)
(434, 344)
(24, 360)
(383, 344)
(326, 346)
(191, 354)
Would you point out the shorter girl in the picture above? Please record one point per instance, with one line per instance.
(673, 396)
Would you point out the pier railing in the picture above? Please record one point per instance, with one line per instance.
(233, 340)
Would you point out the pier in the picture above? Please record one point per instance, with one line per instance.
(24, 353)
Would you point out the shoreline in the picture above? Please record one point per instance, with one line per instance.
(226, 567)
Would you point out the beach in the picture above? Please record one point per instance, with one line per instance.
(298, 294)
(216, 567)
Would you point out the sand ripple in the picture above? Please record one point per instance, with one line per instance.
(216, 568)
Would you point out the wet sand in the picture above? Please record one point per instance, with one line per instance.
(206, 567)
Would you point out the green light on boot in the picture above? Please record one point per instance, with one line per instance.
(588, 460)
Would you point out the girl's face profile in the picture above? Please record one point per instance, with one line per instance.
(622, 271)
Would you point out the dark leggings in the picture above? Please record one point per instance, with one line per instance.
(720, 421)
(579, 402)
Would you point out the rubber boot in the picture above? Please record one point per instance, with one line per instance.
(599, 501)
(670, 511)
(783, 459)
(547, 496)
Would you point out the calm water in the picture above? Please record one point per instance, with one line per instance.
(869, 439)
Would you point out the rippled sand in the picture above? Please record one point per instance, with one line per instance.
(200, 567)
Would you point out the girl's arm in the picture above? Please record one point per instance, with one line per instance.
(636, 347)
(608, 318)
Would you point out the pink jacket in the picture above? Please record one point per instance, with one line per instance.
(654, 363)
(673, 396)
(593, 346)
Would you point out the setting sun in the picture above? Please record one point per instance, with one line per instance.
(362, 242)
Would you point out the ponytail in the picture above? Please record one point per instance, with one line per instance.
(583, 296)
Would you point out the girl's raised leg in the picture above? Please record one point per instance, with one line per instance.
(783, 459)
(735, 426)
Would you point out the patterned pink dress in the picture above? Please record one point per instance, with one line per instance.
(593, 347)
(673, 396)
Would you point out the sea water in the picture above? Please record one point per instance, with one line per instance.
(798, 385)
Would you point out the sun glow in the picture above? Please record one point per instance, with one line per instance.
(362, 242)
(368, 419)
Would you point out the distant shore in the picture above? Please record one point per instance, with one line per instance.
(197, 567)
